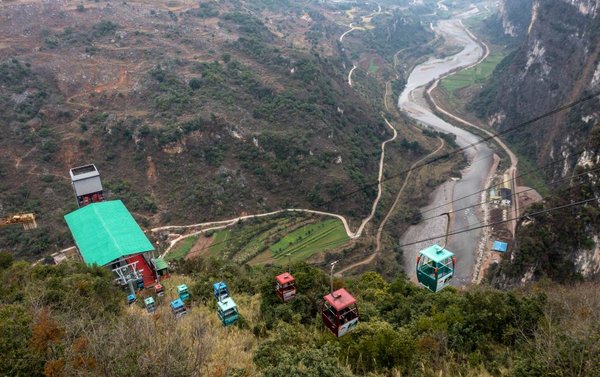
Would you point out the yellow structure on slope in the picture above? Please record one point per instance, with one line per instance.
(27, 219)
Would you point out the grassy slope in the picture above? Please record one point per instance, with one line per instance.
(182, 249)
(70, 318)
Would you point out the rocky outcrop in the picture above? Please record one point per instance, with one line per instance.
(563, 245)
(515, 16)
(558, 63)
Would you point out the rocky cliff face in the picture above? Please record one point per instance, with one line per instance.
(515, 16)
(557, 64)
(563, 245)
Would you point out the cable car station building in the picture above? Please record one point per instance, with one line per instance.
(106, 234)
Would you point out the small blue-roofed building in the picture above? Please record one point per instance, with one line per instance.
(220, 290)
(227, 311)
(435, 267)
(178, 308)
(500, 246)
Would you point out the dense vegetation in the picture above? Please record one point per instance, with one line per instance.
(70, 320)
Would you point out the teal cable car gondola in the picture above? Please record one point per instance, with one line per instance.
(435, 267)
(227, 311)
(436, 264)
(150, 305)
(183, 292)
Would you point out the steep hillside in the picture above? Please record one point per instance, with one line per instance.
(558, 63)
(515, 16)
(70, 320)
(561, 245)
(191, 111)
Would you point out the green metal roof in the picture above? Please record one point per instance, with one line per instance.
(436, 253)
(159, 264)
(106, 231)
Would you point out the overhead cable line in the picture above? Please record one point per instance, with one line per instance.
(530, 171)
(464, 230)
(514, 195)
(462, 149)
(447, 155)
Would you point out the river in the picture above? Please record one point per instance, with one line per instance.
(474, 177)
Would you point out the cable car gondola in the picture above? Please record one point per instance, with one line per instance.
(131, 299)
(183, 292)
(436, 264)
(150, 305)
(178, 308)
(285, 286)
(339, 312)
(435, 267)
(227, 311)
(220, 290)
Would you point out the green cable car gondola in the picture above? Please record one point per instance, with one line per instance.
(435, 267)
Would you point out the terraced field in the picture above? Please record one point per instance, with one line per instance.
(311, 239)
(269, 241)
(471, 76)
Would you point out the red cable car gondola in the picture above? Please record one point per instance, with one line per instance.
(286, 287)
(340, 312)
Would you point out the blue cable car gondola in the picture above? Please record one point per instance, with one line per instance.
(178, 308)
(227, 311)
(220, 290)
(131, 299)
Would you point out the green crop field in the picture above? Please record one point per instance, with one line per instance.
(310, 239)
(471, 76)
(182, 249)
(373, 67)
(270, 240)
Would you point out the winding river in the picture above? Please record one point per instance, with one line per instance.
(474, 176)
